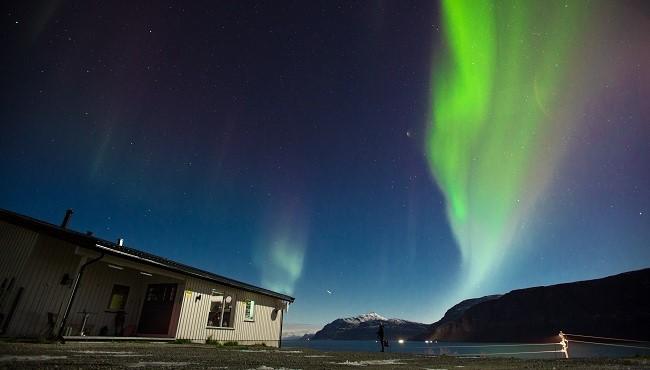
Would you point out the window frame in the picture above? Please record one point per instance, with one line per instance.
(249, 316)
(117, 290)
(221, 313)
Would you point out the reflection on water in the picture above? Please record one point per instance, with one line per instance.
(546, 350)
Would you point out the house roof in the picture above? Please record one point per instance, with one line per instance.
(111, 248)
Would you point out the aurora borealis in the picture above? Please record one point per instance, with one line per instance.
(280, 253)
(391, 156)
(493, 107)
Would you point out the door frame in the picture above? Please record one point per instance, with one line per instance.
(171, 313)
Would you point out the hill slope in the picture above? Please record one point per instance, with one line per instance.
(614, 306)
(454, 313)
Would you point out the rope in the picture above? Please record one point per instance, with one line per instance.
(563, 343)
(608, 344)
(507, 353)
(498, 345)
(618, 339)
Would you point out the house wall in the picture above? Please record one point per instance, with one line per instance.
(95, 292)
(16, 244)
(194, 316)
(41, 280)
(38, 263)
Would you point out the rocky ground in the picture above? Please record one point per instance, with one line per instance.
(100, 355)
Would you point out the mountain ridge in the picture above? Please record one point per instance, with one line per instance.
(614, 306)
(454, 313)
(365, 326)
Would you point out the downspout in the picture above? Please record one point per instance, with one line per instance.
(75, 287)
(281, 322)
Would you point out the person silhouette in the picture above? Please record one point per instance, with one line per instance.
(380, 335)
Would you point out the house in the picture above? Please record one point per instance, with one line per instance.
(58, 282)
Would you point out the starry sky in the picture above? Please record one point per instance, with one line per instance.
(389, 156)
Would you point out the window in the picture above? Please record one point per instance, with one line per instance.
(118, 298)
(249, 313)
(221, 310)
(161, 293)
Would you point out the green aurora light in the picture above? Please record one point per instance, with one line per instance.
(280, 253)
(492, 113)
(283, 264)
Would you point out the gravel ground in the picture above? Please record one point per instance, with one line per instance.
(75, 355)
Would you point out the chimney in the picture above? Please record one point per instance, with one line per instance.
(66, 218)
(120, 242)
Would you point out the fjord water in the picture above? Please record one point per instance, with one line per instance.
(473, 349)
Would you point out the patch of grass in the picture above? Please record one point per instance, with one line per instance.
(181, 341)
(231, 344)
(212, 342)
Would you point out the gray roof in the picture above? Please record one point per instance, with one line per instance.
(111, 248)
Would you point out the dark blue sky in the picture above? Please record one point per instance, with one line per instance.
(282, 144)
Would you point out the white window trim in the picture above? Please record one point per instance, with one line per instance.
(216, 293)
(252, 318)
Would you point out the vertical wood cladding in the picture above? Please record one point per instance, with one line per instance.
(45, 288)
(43, 268)
(196, 306)
(16, 244)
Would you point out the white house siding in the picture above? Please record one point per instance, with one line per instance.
(194, 316)
(16, 244)
(95, 292)
(41, 281)
(38, 263)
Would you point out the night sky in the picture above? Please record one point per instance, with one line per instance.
(388, 156)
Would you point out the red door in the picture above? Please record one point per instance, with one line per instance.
(157, 309)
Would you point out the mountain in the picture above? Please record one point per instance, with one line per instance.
(364, 327)
(615, 306)
(459, 309)
(294, 331)
(298, 337)
(307, 337)
(454, 313)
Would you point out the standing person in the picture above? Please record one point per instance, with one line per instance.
(380, 335)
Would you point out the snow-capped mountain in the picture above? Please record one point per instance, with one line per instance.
(370, 316)
(365, 326)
